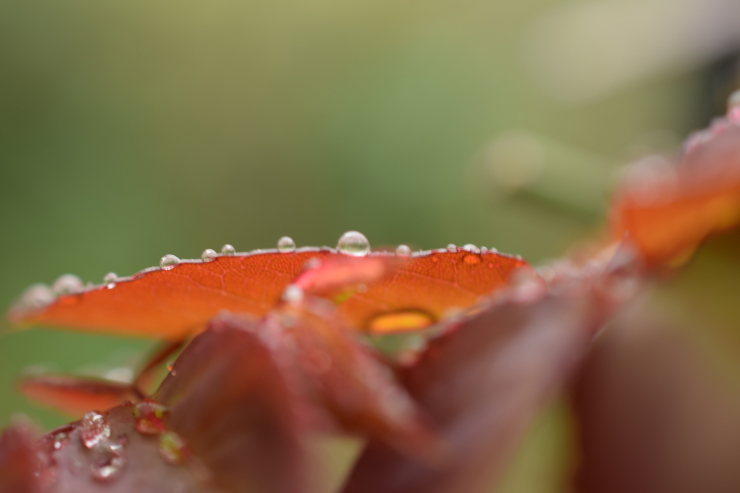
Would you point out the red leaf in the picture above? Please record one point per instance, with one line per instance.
(18, 460)
(653, 416)
(176, 302)
(482, 385)
(667, 209)
(74, 395)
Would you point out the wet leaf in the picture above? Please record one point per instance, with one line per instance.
(74, 396)
(482, 385)
(652, 414)
(177, 301)
(230, 402)
(666, 209)
(18, 460)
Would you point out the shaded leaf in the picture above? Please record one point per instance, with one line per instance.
(177, 302)
(666, 209)
(652, 417)
(482, 385)
(18, 460)
(230, 402)
(74, 395)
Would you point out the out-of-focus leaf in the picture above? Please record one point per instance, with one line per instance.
(74, 395)
(352, 388)
(651, 415)
(231, 404)
(177, 301)
(18, 460)
(482, 385)
(666, 209)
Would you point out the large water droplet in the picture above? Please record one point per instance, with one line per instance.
(353, 243)
(451, 247)
(208, 255)
(67, 284)
(286, 244)
(469, 247)
(172, 448)
(403, 251)
(168, 261)
(94, 428)
(35, 297)
(107, 460)
(228, 249)
(150, 417)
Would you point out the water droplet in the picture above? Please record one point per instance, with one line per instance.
(172, 448)
(67, 284)
(403, 251)
(228, 249)
(110, 277)
(94, 428)
(399, 321)
(60, 440)
(353, 243)
(107, 460)
(293, 294)
(469, 247)
(208, 255)
(451, 247)
(35, 297)
(150, 417)
(168, 262)
(286, 244)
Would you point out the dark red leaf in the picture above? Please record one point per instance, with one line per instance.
(482, 385)
(18, 460)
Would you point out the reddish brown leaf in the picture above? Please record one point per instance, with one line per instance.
(18, 460)
(651, 415)
(74, 395)
(667, 209)
(482, 386)
(176, 302)
(230, 402)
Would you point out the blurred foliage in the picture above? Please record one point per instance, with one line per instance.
(131, 130)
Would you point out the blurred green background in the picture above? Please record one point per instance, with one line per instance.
(131, 130)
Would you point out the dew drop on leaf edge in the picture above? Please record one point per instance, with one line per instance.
(208, 255)
(353, 243)
(228, 249)
(286, 244)
(67, 284)
(169, 261)
(403, 251)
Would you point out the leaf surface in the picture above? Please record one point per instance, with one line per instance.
(177, 302)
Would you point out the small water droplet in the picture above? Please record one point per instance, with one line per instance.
(168, 261)
(150, 417)
(451, 247)
(172, 448)
(107, 460)
(110, 277)
(293, 294)
(170, 365)
(228, 249)
(208, 255)
(286, 244)
(353, 243)
(94, 428)
(403, 251)
(60, 440)
(67, 284)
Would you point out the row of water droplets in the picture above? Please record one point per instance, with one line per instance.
(351, 243)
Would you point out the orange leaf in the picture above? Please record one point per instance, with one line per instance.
(176, 301)
(74, 395)
(667, 209)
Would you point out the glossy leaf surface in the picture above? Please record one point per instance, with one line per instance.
(177, 302)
